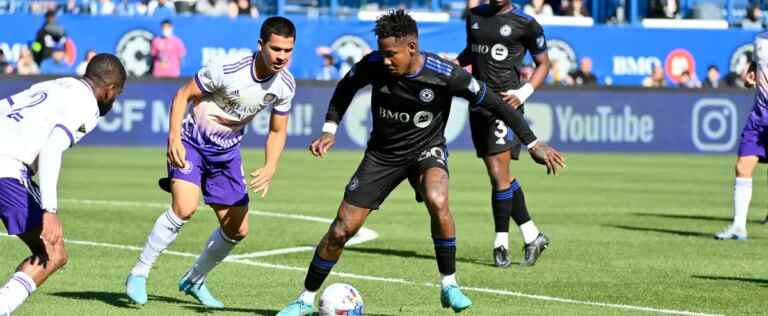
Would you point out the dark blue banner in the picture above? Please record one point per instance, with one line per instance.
(603, 120)
(622, 55)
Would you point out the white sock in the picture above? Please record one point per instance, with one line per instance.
(529, 232)
(742, 194)
(18, 288)
(216, 249)
(166, 229)
(307, 296)
(502, 240)
(448, 280)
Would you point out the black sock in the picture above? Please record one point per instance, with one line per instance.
(501, 201)
(519, 210)
(317, 272)
(445, 253)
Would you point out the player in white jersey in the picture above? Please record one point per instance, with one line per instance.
(754, 139)
(204, 153)
(36, 126)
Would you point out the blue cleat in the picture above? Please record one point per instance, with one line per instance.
(296, 308)
(452, 297)
(136, 288)
(200, 292)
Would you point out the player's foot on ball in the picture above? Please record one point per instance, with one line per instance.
(296, 308)
(452, 297)
(732, 232)
(136, 288)
(501, 257)
(200, 292)
(533, 250)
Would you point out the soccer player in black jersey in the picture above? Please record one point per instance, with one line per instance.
(498, 36)
(411, 99)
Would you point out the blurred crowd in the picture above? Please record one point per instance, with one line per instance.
(156, 8)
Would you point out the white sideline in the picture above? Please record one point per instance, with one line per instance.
(364, 235)
(364, 277)
(403, 281)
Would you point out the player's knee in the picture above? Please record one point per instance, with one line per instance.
(743, 169)
(438, 201)
(238, 233)
(184, 212)
(499, 179)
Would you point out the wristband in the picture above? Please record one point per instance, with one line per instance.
(532, 144)
(330, 128)
(523, 93)
(52, 210)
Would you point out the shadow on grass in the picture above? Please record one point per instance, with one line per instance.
(260, 312)
(698, 217)
(114, 298)
(763, 282)
(662, 230)
(413, 254)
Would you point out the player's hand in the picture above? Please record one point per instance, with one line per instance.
(545, 155)
(262, 178)
(176, 153)
(52, 233)
(321, 145)
(749, 77)
(511, 99)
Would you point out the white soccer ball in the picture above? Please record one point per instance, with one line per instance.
(341, 299)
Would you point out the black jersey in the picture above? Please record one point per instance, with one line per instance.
(410, 112)
(496, 45)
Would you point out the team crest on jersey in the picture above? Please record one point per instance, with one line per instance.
(426, 95)
(422, 119)
(499, 52)
(505, 30)
(269, 99)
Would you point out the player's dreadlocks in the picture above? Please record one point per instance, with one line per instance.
(397, 24)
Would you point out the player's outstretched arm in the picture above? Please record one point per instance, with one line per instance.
(176, 151)
(278, 133)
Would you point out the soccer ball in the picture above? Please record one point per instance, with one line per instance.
(341, 299)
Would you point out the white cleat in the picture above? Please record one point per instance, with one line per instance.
(732, 232)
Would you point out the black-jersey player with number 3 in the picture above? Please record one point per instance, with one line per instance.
(410, 103)
(498, 36)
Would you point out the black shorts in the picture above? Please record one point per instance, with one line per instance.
(376, 178)
(491, 136)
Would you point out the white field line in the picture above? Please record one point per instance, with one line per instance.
(364, 235)
(403, 281)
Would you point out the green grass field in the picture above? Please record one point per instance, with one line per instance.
(631, 235)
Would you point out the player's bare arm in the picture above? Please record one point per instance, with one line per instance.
(278, 132)
(176, 151)
(517, 97)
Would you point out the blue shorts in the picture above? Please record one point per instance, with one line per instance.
(20, 208)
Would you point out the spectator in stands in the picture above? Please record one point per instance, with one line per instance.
(127, 8)
(558, 76)
(105, 7)
(5, 66)
(577, 9)
(49, 35)
(754, 18)
(89, 54)
(713, 78)
(57, 64)
(242, 8)
(664, 9)
(688, 81)
(584, 76)
(161, 8)
(168, 51)
(538, 8)
(72, 7)
(212, 7)
(26, 64)
(656, 79)
(329, 71)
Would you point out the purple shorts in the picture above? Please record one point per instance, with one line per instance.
(754, 138)
(219, 175)
(20, 208)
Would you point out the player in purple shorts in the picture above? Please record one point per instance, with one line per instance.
(754, 138)
(204, 153)
(37, 125)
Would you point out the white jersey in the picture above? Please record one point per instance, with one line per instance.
(232, 97)
(28, 118)
(760, 57)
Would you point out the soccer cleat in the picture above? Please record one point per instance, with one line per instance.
(501, 257)
(200, 292)
(452, 297)
(732, 232)
(136, 288)
(533, 250)
(296, 308)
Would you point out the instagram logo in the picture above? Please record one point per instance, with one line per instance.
(714, 125)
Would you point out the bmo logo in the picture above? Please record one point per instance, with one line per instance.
(713, 125)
